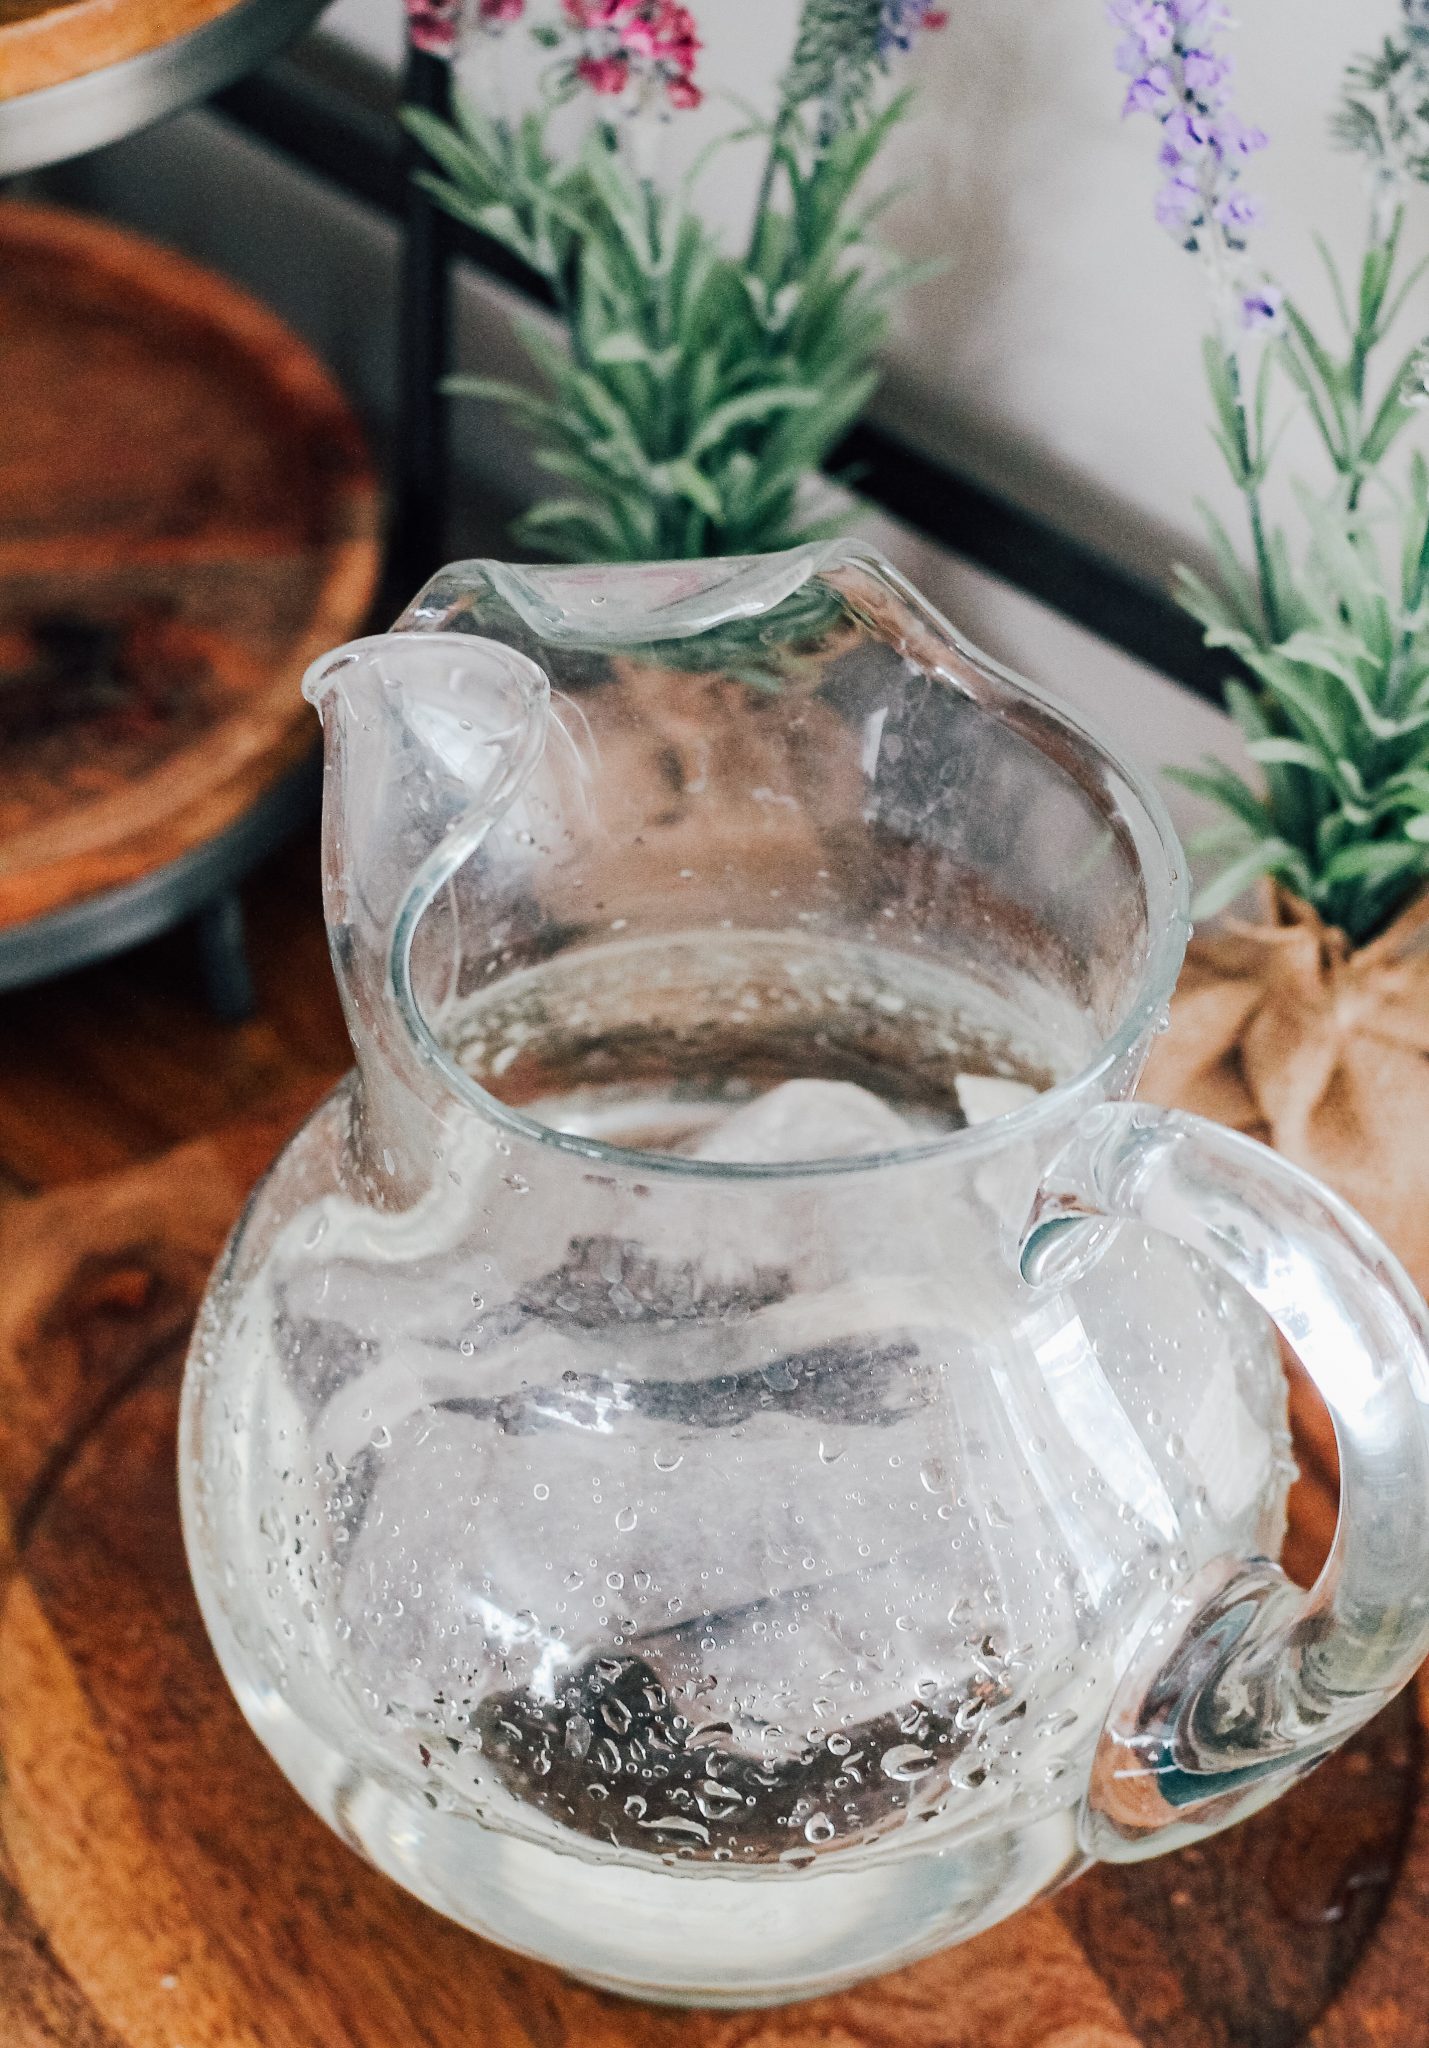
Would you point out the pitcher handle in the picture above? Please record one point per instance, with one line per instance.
(1244, 1681)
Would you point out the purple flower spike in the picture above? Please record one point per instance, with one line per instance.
(1183, 81)
(1262, 309)
(1207, 75)
(1238, 211)
(1151, 93)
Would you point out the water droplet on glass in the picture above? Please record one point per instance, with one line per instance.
(625, 1520)
(716, 1801)
(819, 1828)
(669, 1461)
(616, 1716)
(831, 1453)
(540, 1491)
(904, 1761)
(381, 1437)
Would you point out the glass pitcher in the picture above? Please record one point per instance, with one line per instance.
(728, 1454)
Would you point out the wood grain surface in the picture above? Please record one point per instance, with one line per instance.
(161, 1887)
(187, 517)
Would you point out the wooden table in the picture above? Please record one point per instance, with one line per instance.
(161, 1887)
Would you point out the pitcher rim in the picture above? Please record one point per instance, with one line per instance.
(1160, 859)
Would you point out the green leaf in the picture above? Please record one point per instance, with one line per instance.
(1375, 274)
(1290, 753)
(1270, 857)
(535, 411)
(1377, 860)
(468, 166)
(1222, 786)
(1401, 297)
(753, 406)
(1238, 586)
(1303, 705)
(480, 131)
(1393, 415)
(621, 201)
(682, 477)
(1336, 283)
(1247, 711)
(625, 347)
(1320, 370)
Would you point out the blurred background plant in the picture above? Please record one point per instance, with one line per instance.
(1331, 629)
(698, 389)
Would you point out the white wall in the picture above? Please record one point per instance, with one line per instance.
(1062, 349)
(1058, 357)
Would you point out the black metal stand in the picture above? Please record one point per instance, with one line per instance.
(416, 542)
(227, 977)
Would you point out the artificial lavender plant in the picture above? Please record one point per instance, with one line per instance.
(698, 387)
(1330, 628)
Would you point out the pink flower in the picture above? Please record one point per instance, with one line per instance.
(677, 35)
(604, 74)
(499, 11)
(639, 38)
(647, 43)
(432, 25)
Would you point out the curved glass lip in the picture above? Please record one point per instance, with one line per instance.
(1156, 845)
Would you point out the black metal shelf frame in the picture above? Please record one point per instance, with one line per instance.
(352, 140)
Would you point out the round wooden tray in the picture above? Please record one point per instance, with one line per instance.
(75, 74)
(187, 516)
(161, 1887)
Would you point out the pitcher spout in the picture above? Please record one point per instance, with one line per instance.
(429, 740)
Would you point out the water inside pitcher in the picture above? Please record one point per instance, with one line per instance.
(634, 1485)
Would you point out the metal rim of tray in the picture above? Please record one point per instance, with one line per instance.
(79, 114)
(100, 926)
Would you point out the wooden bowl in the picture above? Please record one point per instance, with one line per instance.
(188, 515)
(75, 74)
